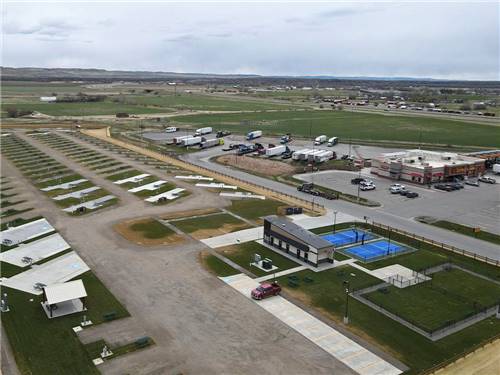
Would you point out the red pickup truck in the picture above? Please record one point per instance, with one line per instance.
(266, 290)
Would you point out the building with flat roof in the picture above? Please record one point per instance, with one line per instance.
(425, 167)
(290, 238)
(64, 299)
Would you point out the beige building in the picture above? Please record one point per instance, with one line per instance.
(424, 167)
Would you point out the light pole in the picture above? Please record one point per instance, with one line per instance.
(334, 220)
(359, 184)
(346, 316)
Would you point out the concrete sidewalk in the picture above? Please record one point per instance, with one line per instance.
(337, 345)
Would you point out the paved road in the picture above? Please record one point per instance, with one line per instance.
(376, 214)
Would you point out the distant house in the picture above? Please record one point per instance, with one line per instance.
(48, 99)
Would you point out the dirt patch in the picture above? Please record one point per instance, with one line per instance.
(198, 212)
(125, 230)
(226, 228)
(257, 165)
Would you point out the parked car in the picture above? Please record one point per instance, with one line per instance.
(396, 188)
(367, 186)
(487, 179)
(472, 182)
(403, 191)
(266, 290)
(411, 194)
(445, 187)
(357, 180)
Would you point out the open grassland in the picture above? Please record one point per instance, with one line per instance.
(210, 225)
(254, 209)
(353, 125)
(326, 294)
(449, 297)
(49, 346)
(216, 266)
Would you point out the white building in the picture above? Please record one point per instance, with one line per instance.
(424, 167)
(48, 99)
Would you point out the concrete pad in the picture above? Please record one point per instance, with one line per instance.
(242, 195)
(245, 235)
(59, 270)
(65, 186)
(36, 250)
(90, 205)
(195, 177)
(151, 187)
(76, 194)
(309, 222)
(169, 195)
(333, 342)
(215, 185)
(25, 232)
(137, 178)
(400, 276)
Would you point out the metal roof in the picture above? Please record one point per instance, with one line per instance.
(297, 231)
(58, 293)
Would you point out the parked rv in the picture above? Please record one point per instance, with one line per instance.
(171, 129)
(203, 131)
(320, 140)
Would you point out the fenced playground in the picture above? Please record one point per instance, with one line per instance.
(367, 246)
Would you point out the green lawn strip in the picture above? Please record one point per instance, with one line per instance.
(354, 125)
(450, 297)
(103, 166)
(5, 203)
(122, 167)
(243, 255)
(466, 230)
(182, 194)
(95, 162)
(326, 293)
(217, 266)
(43, 171)
(152, 229)
(88, 197)
(124, 175)
(149, 193)
(94, 349)
(5, 196)
(253, 209)
(49, 346)
(52, 174)
(208, 222)
(13, 211)
(58, 181)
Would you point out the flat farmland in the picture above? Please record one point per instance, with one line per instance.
(354, 125)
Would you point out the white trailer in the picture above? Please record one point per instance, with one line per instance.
(171, 129)
(323, 156)
(254, 134)
(191, 141)
(333, 141)
(297, 154)
(312, 155)
(320, 140)
(273, 151)
(305, 155)
(178, 140)
(496, 168)
(203, 131)
(211, 143)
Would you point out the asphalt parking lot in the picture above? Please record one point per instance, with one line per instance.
(474, 206)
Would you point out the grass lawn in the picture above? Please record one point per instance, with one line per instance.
(13, 211)
(466, 230)
(326, 294)
(152, 229)
(211, 225)
(355, 125)
(217, 266)
(124, 175)
(253, 209)
(94, 349)
(57, 181)
(242, 255)
(450, 296)
(162, 189)
(49, 346)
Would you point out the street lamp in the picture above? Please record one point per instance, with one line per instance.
(346, 286)
(334, 220)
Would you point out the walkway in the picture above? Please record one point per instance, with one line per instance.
(337, 345)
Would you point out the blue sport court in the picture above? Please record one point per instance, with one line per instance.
(347, 237)
(374, 250)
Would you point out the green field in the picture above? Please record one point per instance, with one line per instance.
(253, 209)
(209, 222)
(354, 125)
(243, 254)
(152, 229)
(217, 266)
(451, 296)
(49, 346)
(326, 294)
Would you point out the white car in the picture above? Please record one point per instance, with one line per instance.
(487, 179)
(367, 186)
(396, 188)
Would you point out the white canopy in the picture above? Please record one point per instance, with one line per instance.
(58, 293)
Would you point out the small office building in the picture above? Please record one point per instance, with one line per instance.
(290, 238)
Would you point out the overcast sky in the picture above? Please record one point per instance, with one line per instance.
(412, 39)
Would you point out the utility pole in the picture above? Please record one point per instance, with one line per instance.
(346, 314)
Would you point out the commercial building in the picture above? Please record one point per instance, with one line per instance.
(425, 167)
(292, 239)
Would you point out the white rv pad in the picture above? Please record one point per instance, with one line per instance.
(21, 233)
(90, 205)
(169, 195)
(65, 186)
(76, 194)
(152, 186)
(137, 178)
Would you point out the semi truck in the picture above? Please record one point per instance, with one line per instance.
(333, 141)
(212, 143)
(191, 141)
(308, 188)
(254, 134)
(203, 131)
(297, 154)
(320, 140)
(178, 140)
(277, 150)
(323, 156)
